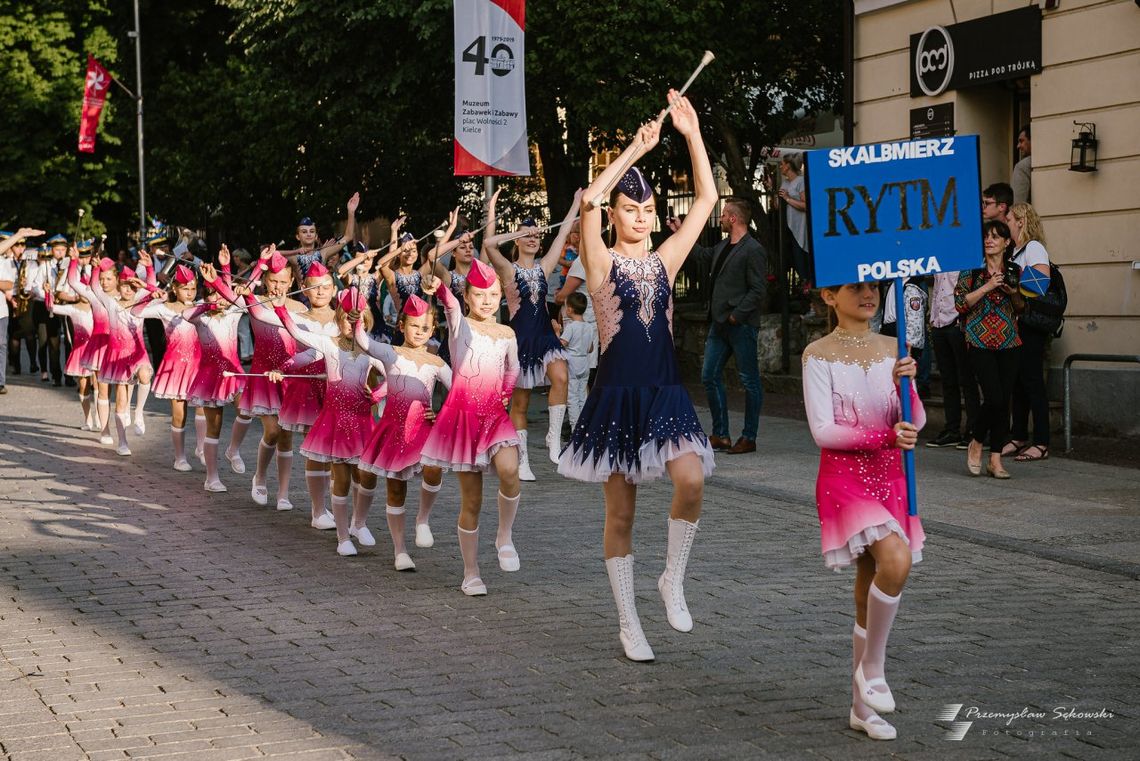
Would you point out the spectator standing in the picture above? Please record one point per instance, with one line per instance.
(1022, 178)
(1029, 394)
(737, 286)
(792, 193)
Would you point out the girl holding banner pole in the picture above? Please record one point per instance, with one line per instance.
(851, 392)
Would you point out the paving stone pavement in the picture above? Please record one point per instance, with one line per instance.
(141, 617)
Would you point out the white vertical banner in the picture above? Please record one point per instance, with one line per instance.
(490, 88)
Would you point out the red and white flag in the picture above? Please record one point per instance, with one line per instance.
(94, 95)
(490, 89)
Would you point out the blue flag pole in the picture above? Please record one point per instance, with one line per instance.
(904, 396)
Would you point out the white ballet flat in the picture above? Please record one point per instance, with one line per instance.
(284, 504)
(106, 440)
(879, 702)
(404, 563)
(217, 486)
(508, 558)
(237, 465)
(346, 549)
(123, 450)
(201, 455)
(324, 521)
(259, 494)
(182, 466)
(140, 427)
(363, 535)
(875, 726)
(424, 537)
(473, 587)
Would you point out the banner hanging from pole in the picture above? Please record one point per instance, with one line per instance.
(94, 96)
(490, 88)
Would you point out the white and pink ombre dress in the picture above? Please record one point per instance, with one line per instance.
(183, 355)
(217, 328)
(852, 406)
(473, 423)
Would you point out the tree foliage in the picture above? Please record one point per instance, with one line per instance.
(261, 111)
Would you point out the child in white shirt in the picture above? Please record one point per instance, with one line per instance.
(579, 338)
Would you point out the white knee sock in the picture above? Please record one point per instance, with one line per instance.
(178, 440)
(199, 430)
(428, 493)
(361, 504)
(265, 453)
(210, 449)
(881, 610)
(469, 548)
(85, 404)
(140, 402)
(318, 484)
(237, 434)
(858, 647)
(396, 523)
(284, 470)
(508, 507)
(122, 420)
(340, 513)
(103, 416)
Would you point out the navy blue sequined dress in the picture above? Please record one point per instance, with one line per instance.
(638, 415)
(538, 346)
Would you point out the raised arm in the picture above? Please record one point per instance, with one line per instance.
(554, 253)
(452, 311)
(376, 349)
(153, 307)
(490, 249)
(677, 246)
(317, 341)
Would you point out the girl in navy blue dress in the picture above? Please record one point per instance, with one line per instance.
(638, 421)
(542, 360)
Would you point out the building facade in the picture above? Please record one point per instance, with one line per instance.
(990, 67)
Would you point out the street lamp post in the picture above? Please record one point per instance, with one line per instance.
(137, 35)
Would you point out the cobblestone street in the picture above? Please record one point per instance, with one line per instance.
(141, 617)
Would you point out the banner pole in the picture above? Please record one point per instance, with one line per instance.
(137, 34)
(904, 396)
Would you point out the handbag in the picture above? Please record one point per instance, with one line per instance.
(1046, 313)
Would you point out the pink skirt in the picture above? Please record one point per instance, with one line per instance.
(393, 450)
(212, 389)
(74, 366)
(94, 351)
(175, 375)
(121, 362)
(261, 397)
(301, 400)
(861, 497)
(342, 428)
(466, 435)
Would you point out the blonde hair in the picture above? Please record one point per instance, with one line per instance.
(1031, 227)
(365, 317)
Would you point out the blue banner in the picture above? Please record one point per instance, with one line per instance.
(894, 210)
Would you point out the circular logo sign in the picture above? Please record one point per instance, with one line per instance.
(934, 60)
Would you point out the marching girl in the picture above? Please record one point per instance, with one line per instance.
(393, 450)
(541, 356)
(272, 347)
(131, 291)
(344, 425)
(82, 324)
(214, 385)
(472, 430)
(405, 278)
(638, 421)
(851, 395)
(302, 398)
(114, 349)
(183, 354)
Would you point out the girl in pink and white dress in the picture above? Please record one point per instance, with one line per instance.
(272, 347)
(344, 425)
(215, 385)
(301, 398)
(132, 290)
(82, 324)
(393, 451)
(472, 431)
(114, 352)
(851, 394)
(183, 354)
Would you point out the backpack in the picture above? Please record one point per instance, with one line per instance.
(1046, 313)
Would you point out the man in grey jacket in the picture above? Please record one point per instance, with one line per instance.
(737, 271)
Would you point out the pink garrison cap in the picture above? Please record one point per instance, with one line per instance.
(277, 262)
(106, 264)
(350, 300)
(127, 273)
(183, 275)
(414, 306)
(482, 275)
(317, 270)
